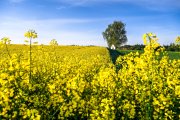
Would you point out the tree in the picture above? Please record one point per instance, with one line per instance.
(115, 34)
(53, 42)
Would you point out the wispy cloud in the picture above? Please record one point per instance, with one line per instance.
(166, 36)
(66, 33)
(149, 4)
(61, 7)
(74, 2)
(16, 1)
(52, 28)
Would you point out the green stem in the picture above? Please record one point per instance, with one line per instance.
(8, 50)
(30, 60)
(151, 83)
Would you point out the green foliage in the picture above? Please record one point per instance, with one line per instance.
(172, 47)
(115, 34)
(173, 55)
(132, 47)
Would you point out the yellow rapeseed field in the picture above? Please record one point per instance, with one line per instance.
(72, 82)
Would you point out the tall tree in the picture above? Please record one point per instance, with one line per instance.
(115, 34)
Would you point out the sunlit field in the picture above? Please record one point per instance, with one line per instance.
(89, 60)
(76, 82)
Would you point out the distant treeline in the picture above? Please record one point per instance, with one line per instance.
(171, 47)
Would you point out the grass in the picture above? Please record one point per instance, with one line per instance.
(114, 54)
(172, 55)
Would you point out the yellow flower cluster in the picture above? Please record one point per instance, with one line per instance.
(150, 83)
(31, 34)
(72, 82)
(177, 40)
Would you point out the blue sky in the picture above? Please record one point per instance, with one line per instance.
(81, 22)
